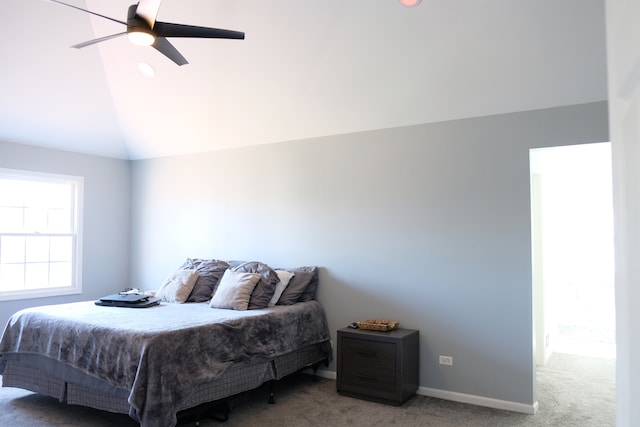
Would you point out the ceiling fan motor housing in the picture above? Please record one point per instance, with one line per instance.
(135, 23)
(138, 29)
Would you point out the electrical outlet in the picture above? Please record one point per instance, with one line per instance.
(446, 360)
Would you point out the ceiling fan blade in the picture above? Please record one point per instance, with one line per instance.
(148, 10)
(167, 29)
(88, 11)
(98, 40)
(163, 46)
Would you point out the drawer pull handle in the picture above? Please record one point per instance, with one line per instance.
(367, 378)
(367, 353)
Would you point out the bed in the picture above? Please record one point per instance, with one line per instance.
(152, 363)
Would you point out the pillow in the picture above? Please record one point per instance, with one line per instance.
(234, 290)
(285, 277)
(312, 287)
(178, 286)
(235, 263)
(209, 273)
(302, 286)
(266, 286)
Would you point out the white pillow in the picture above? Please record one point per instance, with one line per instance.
(178, 286)
(285, 277)
(234, 290)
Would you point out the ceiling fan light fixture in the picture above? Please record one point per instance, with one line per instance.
(141, 38)
(410, 3)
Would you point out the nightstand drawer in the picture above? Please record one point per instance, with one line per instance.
(374, 354)
(368, 380)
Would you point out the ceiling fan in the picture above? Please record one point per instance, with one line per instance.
(143, 29)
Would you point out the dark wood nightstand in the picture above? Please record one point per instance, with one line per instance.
(378, 366)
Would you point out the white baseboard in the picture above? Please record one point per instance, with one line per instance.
(479, 400)
(326, 374)
(461, 397)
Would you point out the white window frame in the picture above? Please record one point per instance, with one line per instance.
(77, 182)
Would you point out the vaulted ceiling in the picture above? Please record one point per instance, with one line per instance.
(307, 68)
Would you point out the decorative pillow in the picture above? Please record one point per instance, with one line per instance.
(178, 286)
(266, 286)
(234, 290)
(302, 287)
(285, 277)
(210, 271)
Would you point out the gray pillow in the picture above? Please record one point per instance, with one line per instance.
(302, 286)
(266, 286)
(312, 287)
(210, 271)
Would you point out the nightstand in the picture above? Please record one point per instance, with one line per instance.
(378, 366)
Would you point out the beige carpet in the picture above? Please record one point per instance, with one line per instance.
(572, 391)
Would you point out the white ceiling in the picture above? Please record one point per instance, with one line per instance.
(307, 68)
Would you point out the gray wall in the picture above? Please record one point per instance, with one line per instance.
(428, 225)
(106, 220)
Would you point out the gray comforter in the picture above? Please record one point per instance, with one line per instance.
(159, 353)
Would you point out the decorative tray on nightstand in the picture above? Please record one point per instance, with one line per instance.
(377, 325)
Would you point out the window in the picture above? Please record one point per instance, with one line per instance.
(40, 234)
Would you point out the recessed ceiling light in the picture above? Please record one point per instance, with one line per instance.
(146, 69)
(410, 3)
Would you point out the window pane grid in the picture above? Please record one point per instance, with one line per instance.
(38, 233)
(35, 262)
(47, 209)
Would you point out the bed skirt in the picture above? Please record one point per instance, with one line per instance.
(68, 385)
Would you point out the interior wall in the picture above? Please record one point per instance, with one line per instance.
(106, 219)
(623, 70)
(428, 225)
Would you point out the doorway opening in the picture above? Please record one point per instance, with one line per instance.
(573, 255)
